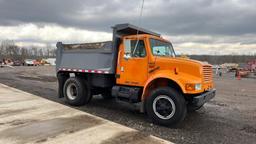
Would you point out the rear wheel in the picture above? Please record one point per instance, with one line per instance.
(76, 91)
(165, 106)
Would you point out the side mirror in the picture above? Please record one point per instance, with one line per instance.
(127, 56)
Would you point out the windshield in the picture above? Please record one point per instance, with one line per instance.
(161, 48)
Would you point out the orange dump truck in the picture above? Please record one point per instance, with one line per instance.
(138, 66)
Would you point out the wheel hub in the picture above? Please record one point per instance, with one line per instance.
(72, 91)
(164, 107)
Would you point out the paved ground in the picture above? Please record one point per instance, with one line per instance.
(229, 118)
(26, 118)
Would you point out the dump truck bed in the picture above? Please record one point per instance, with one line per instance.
(99, 57)
(85, 57)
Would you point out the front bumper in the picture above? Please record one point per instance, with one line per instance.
(203, 98)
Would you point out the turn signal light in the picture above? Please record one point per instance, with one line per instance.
(190, 87)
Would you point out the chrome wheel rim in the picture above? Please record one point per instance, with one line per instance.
(72, 91)
(164, 107)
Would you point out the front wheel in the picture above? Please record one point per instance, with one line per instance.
(165, 106)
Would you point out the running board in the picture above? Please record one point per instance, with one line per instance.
(125, 93)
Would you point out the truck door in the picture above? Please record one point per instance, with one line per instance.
(133, 63)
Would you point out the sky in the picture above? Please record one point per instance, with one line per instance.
(193, 26)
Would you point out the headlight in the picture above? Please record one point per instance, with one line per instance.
(198, 86)
(192, 87)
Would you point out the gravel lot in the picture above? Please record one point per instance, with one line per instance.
(229, 118)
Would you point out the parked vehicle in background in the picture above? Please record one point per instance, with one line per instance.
(51, 61)
(7, 62)
(138, 66)
(28, 62)
(36, 63)
(17, 63)
(48, 61)
(242, 72)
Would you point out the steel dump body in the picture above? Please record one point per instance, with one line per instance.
(87, 56)
(95, 57)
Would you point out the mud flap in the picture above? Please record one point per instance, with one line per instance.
(62, 77)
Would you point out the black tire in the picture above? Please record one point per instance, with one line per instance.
(76, 91)
(177, 111)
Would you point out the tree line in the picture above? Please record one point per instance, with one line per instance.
(9, 50)
(220, 59)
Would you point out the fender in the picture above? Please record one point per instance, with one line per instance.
(180, 79)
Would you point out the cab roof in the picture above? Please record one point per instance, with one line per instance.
(129, 29)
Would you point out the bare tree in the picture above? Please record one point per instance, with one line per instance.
(34, 51)
(48, 49)
(9, 49)
(1, 50)
(40, 53)
(24, 53)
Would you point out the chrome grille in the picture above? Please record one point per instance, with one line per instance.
(207, 73)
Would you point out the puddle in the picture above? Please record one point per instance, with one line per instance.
(4, 78)
(41, 130)
(39, 78)
(249, 129)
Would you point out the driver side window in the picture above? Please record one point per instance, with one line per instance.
(134, 48)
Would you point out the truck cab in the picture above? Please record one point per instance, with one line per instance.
(138, 66)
